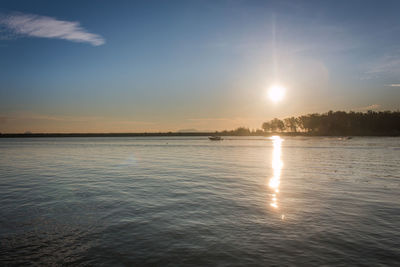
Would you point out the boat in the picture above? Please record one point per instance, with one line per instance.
(215, 138)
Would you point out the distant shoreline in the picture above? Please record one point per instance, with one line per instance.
(338, 123)
(173, 134)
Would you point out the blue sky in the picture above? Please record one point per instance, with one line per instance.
(112, 66)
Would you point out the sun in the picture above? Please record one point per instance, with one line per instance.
(276, 93)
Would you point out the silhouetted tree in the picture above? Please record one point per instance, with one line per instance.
(258, 132)
(291, 124)
(340, 123)
(242, 131)
(266, 126)
(277, 125)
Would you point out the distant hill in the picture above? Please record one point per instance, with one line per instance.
(187, 131)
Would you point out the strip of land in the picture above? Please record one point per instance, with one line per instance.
(338, 123)
(171, 134)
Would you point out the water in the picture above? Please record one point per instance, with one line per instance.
(190, 201)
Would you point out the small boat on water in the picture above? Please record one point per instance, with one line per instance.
(215, 138)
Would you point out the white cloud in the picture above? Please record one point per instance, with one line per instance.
(393, 85)
(48, 27)
(370, 107)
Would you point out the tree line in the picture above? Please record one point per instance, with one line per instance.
(338, 123)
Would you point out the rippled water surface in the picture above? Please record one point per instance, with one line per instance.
(191, 201)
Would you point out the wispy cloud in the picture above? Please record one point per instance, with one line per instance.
(48, 27)
(393, 85)
(389, 63)
(370, 107)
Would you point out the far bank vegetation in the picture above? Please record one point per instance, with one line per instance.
(338, 123)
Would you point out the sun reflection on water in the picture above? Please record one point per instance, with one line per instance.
(277, 165)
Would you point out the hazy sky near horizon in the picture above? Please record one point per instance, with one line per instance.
(128, 66)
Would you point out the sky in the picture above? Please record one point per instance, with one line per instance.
(150, 66)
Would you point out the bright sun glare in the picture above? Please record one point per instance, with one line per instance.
(276, 93)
